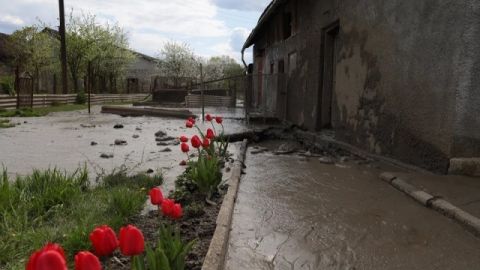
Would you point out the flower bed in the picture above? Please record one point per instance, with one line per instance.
(175, 237)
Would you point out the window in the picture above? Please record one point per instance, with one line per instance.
(287, 25)
(292, 62)
(281, 66)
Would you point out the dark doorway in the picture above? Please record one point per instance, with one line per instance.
(132, 85)
(329, 63)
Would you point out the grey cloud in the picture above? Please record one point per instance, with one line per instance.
(244, 5)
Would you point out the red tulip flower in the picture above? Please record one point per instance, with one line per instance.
(191, 119)
(210, 134)
(131, 241)
(183, 139)
(196, 143)
(205, 143)
(85, 260)
(50, 257)
(177, 211)
(167, 207)
(156, 196)
(189, 124)
(219, 119)
(104, 240)
(185, 147)
(183, 163)
(208, 117)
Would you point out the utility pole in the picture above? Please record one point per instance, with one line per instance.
(63, 47)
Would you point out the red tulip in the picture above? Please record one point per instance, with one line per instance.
(131, 241)
(185, 147)
(210, 134)
(156, 196)
(183, 163)
(50, 257)
(189, 124)
(196, 143)
(104, 240)
(191, 119)
(85, 260)
(219, 119)
(167, 207)
(208, 117)
(206, 143)
(183, 139)
(177, 211)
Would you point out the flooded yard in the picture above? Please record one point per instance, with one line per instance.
(69, 140)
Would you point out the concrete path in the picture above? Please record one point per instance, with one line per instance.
(297, 213)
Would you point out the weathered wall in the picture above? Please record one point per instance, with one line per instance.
(143, 70)
(401, 66)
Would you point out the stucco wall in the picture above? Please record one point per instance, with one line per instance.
(401, 67)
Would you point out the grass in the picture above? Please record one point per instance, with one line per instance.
(52, 206)
(37, 112)
(5, 123)
(42, 111)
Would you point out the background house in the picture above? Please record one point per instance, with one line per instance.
(397, 78)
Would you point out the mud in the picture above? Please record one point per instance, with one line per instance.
(294, 212)
(64, 140)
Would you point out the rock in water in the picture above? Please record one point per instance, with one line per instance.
(93, 143)
(120, 142)
(118, 126)
(106, 156)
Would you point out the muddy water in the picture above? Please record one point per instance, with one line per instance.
(296, 213)
(63, 140)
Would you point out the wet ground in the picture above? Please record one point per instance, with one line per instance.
(63, 140)
(296, 212)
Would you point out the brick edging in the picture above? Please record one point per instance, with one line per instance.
(438, 204)
(217, 251)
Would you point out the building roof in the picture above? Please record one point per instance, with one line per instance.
(266, 15)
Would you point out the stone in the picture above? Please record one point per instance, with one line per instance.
(136, 136)
(120, 142)
(160, 133)
(166, 150)
(150, 171)
(93, 143)
(118, 126)
(164, 139)
(106, 156)
(326, 160)
(138, 129)
(183, 163)
(464, 166)
(163, 143)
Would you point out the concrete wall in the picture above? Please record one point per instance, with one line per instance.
(142, 69)
(405, 79)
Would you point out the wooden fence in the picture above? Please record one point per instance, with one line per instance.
(195, 101)
(9, 102)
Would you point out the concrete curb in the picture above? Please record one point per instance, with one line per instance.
(436, 203)
(217, 251)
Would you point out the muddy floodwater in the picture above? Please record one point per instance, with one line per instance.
(294, 212)
(63, 140)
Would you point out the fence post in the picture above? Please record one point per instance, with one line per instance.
(89, 83)
(17, 87)
(202, 92)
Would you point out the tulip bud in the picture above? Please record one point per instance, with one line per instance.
(210, 134)
(156, 196)
(177, 211)
(104, 240)
(196, 143)
(219, 119)
(185, 148)
(131, 241)
(85, 260)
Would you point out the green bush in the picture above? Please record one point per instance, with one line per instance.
(7, 85)
(81, 98)
(205, 173)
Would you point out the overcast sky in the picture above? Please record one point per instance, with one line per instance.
(211, 27)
